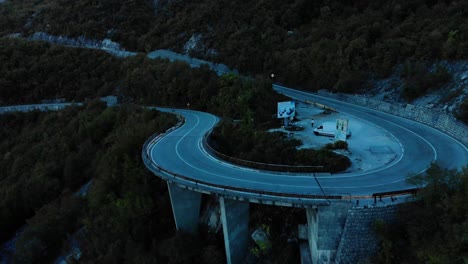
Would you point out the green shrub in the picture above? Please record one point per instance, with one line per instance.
(316, 39)
(275, 148)
(340, 144)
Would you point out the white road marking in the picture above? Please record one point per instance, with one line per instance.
(427, 142)
(218, 175)
(206, 154)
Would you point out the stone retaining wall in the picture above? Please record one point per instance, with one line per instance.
(358, 240)
(439, 120)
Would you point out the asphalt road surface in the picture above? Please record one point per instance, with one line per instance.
(181, 151)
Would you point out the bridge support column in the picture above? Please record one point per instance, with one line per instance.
(186, 208)
(235, 220)
(312, 232)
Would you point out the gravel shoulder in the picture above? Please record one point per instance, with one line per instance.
(370, 147)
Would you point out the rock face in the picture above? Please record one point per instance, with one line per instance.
(359, 241)
(105, 44)
(446, 98)
(80, 41)
(193, 44)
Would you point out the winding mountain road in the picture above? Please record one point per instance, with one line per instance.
(180, 156)
(181, 152)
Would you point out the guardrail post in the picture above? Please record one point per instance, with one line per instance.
(235, 220)
(185, 207)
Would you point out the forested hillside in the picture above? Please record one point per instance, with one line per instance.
(312, 44)
(332, 44)
(433, 229)
(32, 72)
(46, 156)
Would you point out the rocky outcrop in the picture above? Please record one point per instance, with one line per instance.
(105, 44)
(446, 98)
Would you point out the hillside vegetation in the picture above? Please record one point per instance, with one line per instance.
(312, 44)
(32, 72)
(334, 44)
(434, 228)
(46, 156)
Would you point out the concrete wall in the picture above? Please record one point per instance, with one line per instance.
(359, 241)
(235, 219)
(439, 120)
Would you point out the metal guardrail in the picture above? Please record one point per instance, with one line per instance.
(226, 190)
(381, 195)
(319, 105)
(394, 193)
(258, 165)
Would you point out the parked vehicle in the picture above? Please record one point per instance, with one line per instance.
(328, 129)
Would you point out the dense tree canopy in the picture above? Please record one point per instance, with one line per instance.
(336, 44)
(311, 44)
(434, 228)
(80, 74)
(31, 72)
(45, 155)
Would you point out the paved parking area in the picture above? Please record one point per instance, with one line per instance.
(370, 147)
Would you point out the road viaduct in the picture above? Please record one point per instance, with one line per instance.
(180, 156)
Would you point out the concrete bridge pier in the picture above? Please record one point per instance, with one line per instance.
(312, 232)
(185, 207)
(235, 220)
